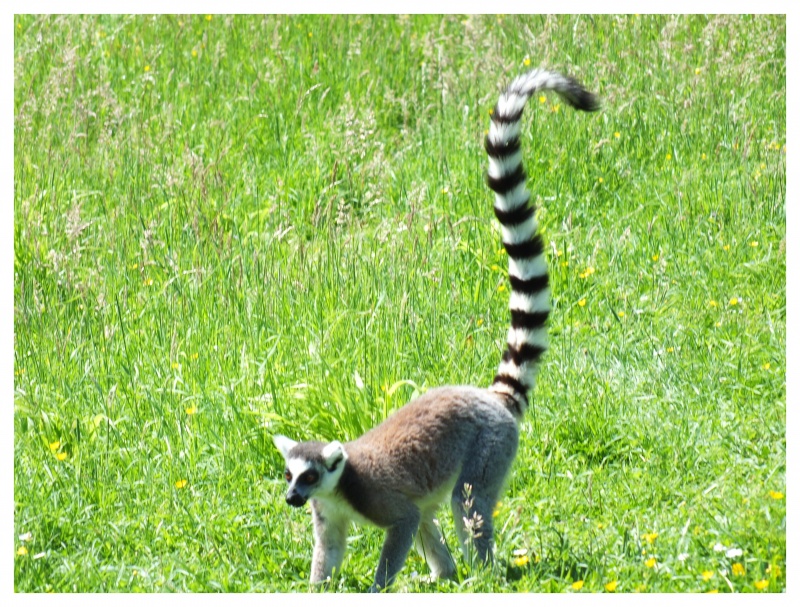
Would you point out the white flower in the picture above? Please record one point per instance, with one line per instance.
(733, 553)
(683, 556)
(719, 547)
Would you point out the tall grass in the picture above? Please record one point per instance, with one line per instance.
(229, 227)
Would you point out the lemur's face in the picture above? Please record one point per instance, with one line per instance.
(312, 468)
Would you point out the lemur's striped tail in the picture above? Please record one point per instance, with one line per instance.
(527, 267)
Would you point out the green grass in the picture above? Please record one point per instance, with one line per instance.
(233, 217)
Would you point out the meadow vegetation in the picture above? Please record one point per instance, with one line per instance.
(230, 227)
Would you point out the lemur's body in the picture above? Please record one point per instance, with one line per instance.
(396, 475)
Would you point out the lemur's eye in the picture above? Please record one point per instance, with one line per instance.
(310, 477)
(287, 475)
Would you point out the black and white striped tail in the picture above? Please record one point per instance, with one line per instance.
(527, 267)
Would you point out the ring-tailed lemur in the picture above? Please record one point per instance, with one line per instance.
(396, 475)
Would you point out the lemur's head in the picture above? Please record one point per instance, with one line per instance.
(312, 468)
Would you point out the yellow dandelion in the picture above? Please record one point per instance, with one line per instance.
(521, 561)
(577, 585)
(146, 68)
(650, 563)
(655, 257)
(649, 537)
(617, 135)
(491, 111)
(176, 365)
(599, 180)
(54, 445)
(501, 288)
(738, 569)
(181, 483)
(761, 584)
(726, 247)
(310, 34)
(670, 349)
(22, 551)
(135, 266)
(209, 17)
(621, 314)
(611, 586)
(718, 324)
(697, 70)
(733, 301)
(61, 456)
(712, 303)
(191, 410)
(194, 52)
(194, 356)
(754, 244)
(707, 575)
(526, 62)
(776, 495)
(479, 322)
(542, 98)
(712, 591)
(582, 302)
(669, 156)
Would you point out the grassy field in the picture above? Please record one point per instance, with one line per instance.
(230, 227)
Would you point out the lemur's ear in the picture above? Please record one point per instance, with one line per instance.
(283, 444)
(334, 454)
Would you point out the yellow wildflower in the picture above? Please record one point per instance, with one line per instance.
(733, 301)
(599, 180)
(726, 247)
(696, 71)
(621, 314)
(776, 495)
(577, 585)
(707, 575)
(754, 243)
(194, 52)
(761, 584)
(208, 17)
(670, 349)
(191, 410)
(712, 303)
(649, 537)
(542, 98)
(655, 257)
(712, 591)
(650, 563)
(521, 561)
(146, 68)
(181, 483)
(54, 445)
(703, 156)
(611, 586)
(61, 456)
(617, 135)
(501, 288)
(669, 156)
(22, 551)
(582, 302)
(738, 569)
(526, 62)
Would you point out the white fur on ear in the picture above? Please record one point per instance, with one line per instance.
(284, 444)
(333, 452)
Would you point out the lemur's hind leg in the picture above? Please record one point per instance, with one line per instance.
(477, 491)
(430, 544)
